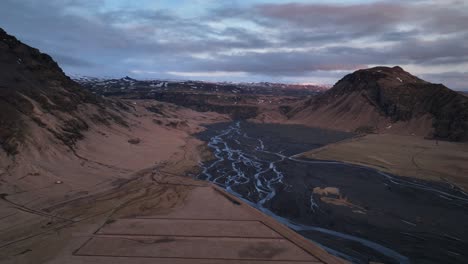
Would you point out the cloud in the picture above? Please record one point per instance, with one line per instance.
(455, 80)
(207, 74)
(356, 18)
(278, 63)
(71, 61)
(260, 39)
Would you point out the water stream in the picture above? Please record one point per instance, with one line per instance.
(374, 217)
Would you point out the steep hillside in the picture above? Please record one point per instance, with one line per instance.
(58, 136)
(35, 93)
(388, 99)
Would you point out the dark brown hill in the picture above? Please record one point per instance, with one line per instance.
(384, 98)
(34, 92)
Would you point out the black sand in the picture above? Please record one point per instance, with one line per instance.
(383, 217)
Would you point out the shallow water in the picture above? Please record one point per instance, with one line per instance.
(374, 217)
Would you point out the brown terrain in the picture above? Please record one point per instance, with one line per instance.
(388, 100)
(410, 127)
(91, 180)
(402, 113)
(403, 155)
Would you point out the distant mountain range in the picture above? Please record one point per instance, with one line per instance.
(113, 87)
(376, 100)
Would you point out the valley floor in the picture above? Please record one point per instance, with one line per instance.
(359, 213)
(119, 198)
(157, 217)
(408, 156)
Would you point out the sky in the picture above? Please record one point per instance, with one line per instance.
(293, 41)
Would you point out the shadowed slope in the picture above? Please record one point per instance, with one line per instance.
(34, 92)
(383, 98)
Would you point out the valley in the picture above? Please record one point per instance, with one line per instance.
(355, 212)
(402, 155)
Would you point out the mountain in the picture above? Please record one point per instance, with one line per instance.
(35, 94)
(239, 100)
(388, 99)
(126, 86)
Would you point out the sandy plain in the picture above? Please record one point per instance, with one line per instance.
(122, 195)
(409, 156)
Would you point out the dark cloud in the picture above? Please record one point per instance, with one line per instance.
(369, 19)
(455, 80)
(358, 18)
(399, 35)
(283, 63)
(421, 33)
(293, 39)
(440, 51)
(65, 60)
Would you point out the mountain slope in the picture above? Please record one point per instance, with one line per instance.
(34, 92)
(383, 98)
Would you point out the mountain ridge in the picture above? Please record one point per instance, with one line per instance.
(35, 92)
(389, 96)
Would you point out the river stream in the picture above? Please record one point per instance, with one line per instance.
(354, 212)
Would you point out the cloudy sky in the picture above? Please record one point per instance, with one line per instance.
(314, 41)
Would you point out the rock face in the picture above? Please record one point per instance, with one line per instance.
(34, 92)
(380, 97)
